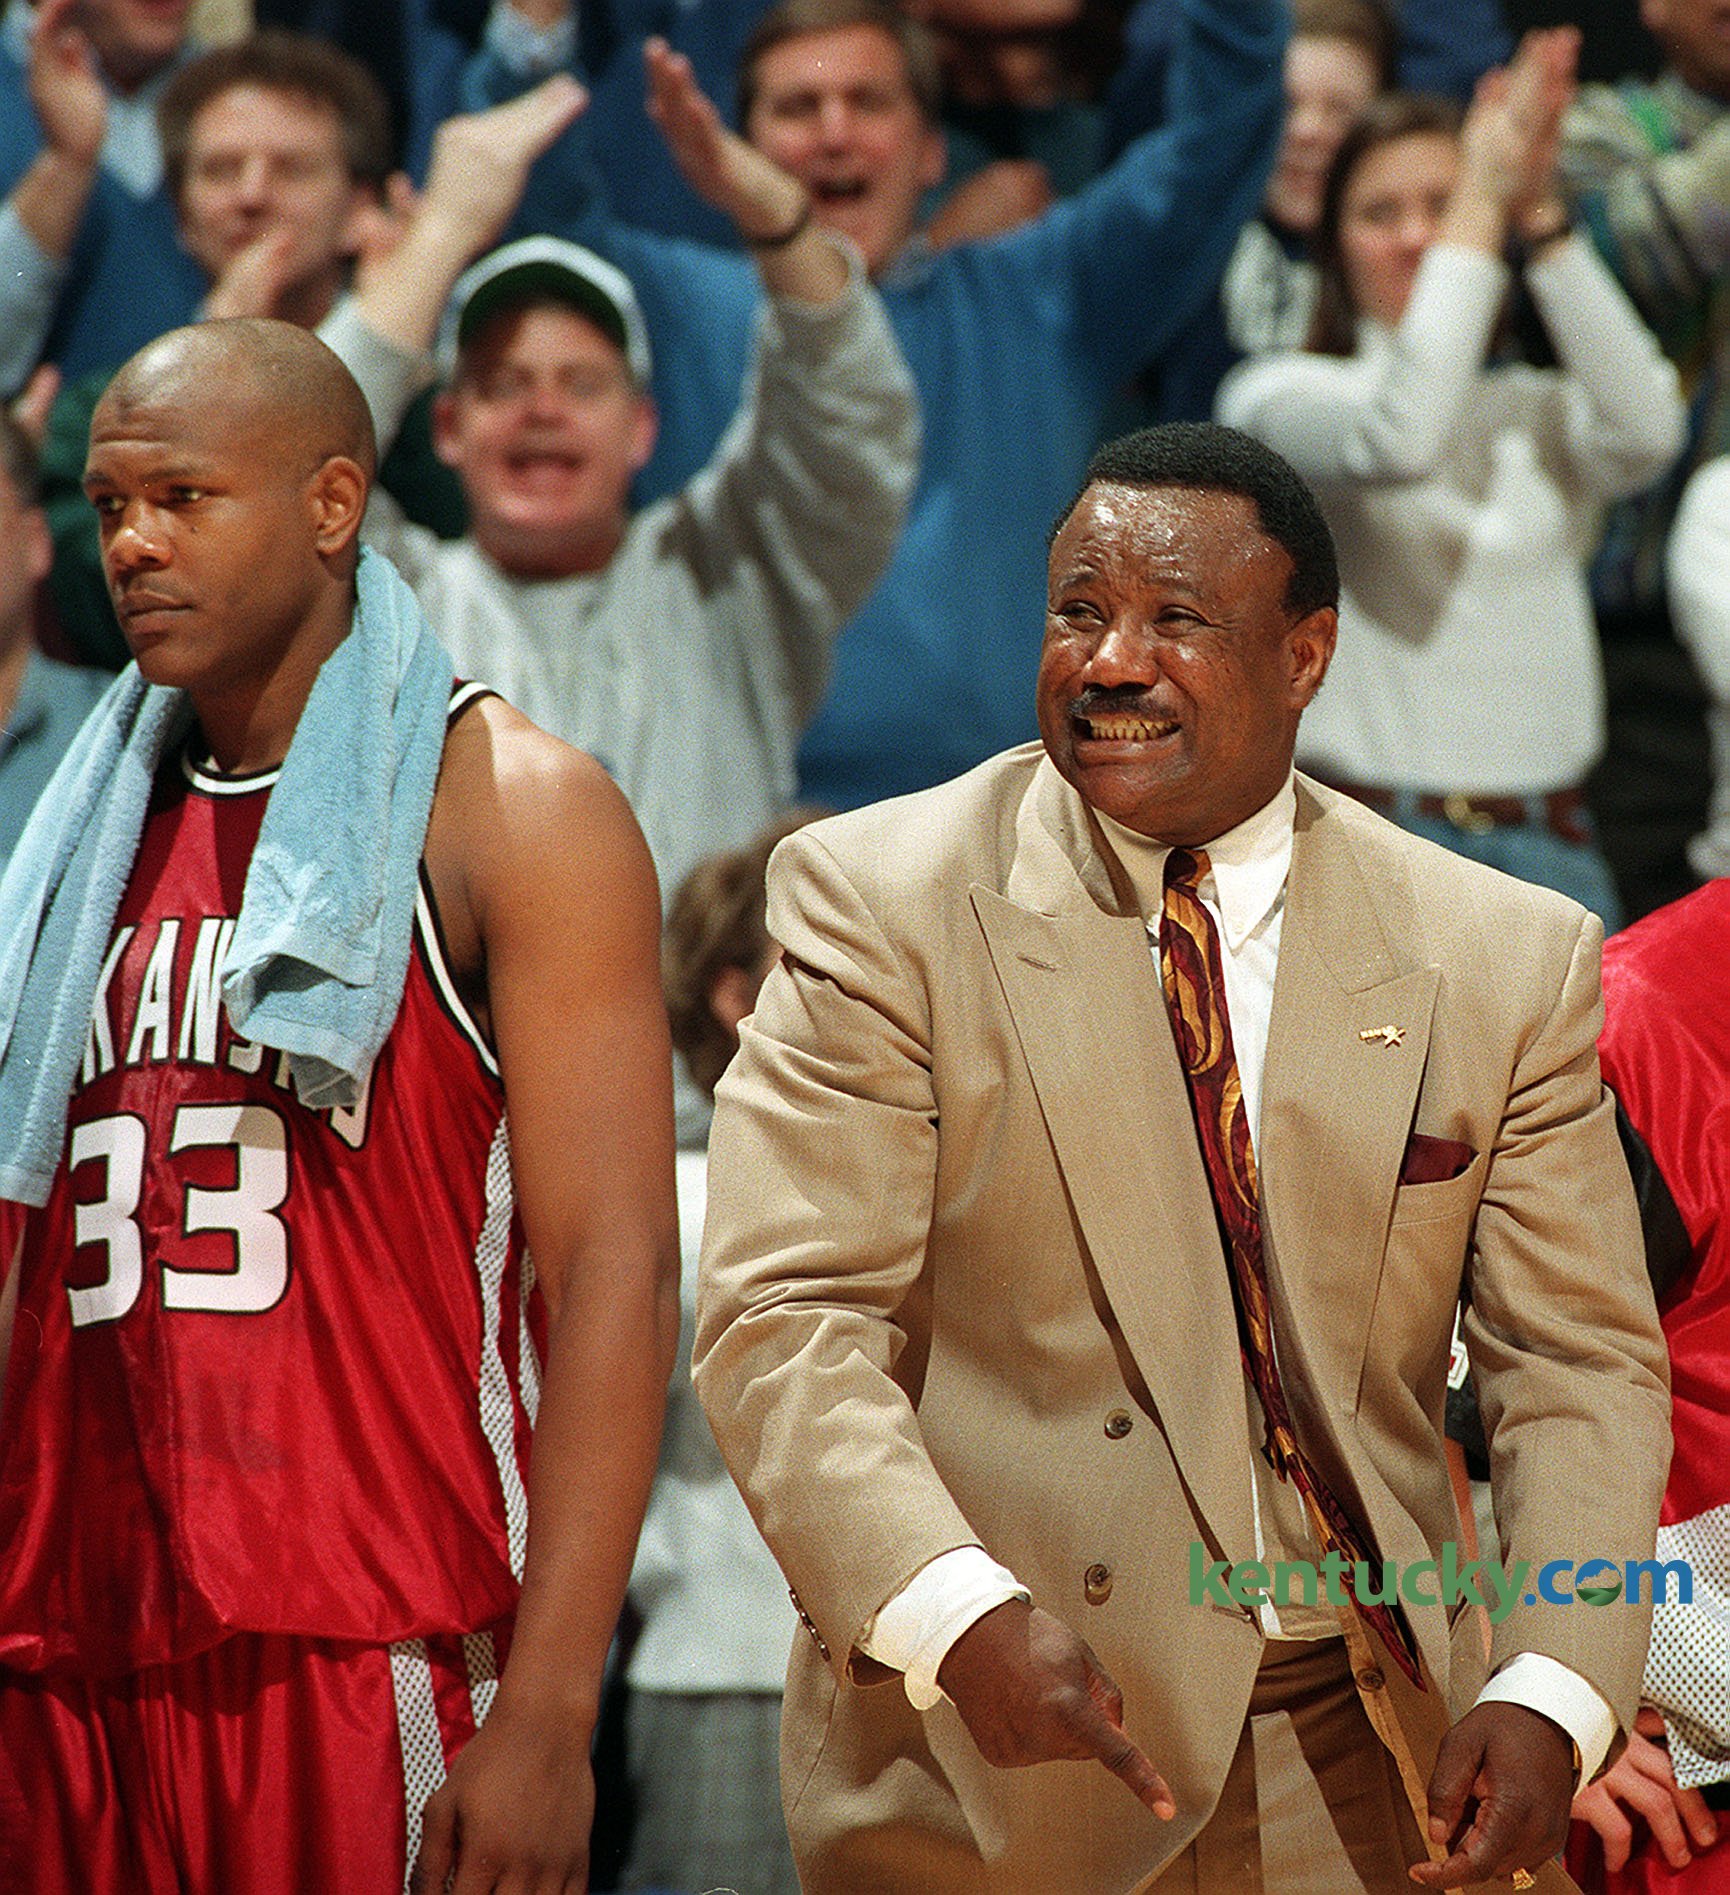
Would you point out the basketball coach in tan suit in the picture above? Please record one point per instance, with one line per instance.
(1089, 1204)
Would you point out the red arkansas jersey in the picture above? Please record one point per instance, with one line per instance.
(273, 1370)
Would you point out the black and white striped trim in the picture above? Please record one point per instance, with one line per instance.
(427, 923)
(432, 950)
(497, 1408)
(209, 781)
(466, 693)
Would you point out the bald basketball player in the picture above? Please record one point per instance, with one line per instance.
(275, 1549)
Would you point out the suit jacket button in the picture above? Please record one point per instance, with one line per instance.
(1369, 1679)
(1118, 1423)
(1096, 1584)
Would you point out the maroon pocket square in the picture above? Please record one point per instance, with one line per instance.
(1434, 1160)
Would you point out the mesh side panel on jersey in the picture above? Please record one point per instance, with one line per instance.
(528, 1363)
(417, 1724)
(480, 1656)
(497, 1409)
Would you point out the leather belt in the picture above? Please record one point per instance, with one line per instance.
(1562, 812)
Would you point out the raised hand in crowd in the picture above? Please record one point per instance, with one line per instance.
(254, 279)
(771, 208)
(1541, 210)
(1508, 146)
(415, 250)
(29, 408)
(71, 104)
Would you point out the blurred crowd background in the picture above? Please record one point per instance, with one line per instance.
(762, 523)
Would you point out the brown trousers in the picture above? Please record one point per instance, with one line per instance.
(1313, 1803)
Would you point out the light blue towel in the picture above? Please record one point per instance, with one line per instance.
(320, 948)
(57, 904)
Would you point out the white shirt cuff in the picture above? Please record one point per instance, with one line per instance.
(1555, 1691)
(913, 1631)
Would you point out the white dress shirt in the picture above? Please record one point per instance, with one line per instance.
(1244, 890)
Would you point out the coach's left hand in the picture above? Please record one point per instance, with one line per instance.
(1499, 1795)
(515, 1811)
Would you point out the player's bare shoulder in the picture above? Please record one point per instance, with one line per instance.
(525, 825)
(509, 777)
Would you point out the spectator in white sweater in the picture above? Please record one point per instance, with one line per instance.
(685, 646)
(1465, 490)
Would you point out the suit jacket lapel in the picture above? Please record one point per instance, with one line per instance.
(1336, 1105)
(1073, 959)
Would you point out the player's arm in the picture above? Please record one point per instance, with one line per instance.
(535, 850)
(1640, 1787)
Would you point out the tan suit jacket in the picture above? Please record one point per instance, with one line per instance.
(959, 1231)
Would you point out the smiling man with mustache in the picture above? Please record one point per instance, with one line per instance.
(1094, 1187)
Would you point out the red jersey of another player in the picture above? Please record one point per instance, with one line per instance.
(273, 1370)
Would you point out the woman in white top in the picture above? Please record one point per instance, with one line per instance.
(1464, 491)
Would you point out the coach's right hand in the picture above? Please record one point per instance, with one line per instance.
(1030, 1691)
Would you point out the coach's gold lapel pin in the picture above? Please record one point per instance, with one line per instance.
(1388, 1035)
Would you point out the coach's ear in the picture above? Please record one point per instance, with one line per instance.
(1309, 650)
(336, 499)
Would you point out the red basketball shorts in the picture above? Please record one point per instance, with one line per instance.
(265, 1766)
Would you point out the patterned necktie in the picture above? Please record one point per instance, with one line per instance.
(1194, 979)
